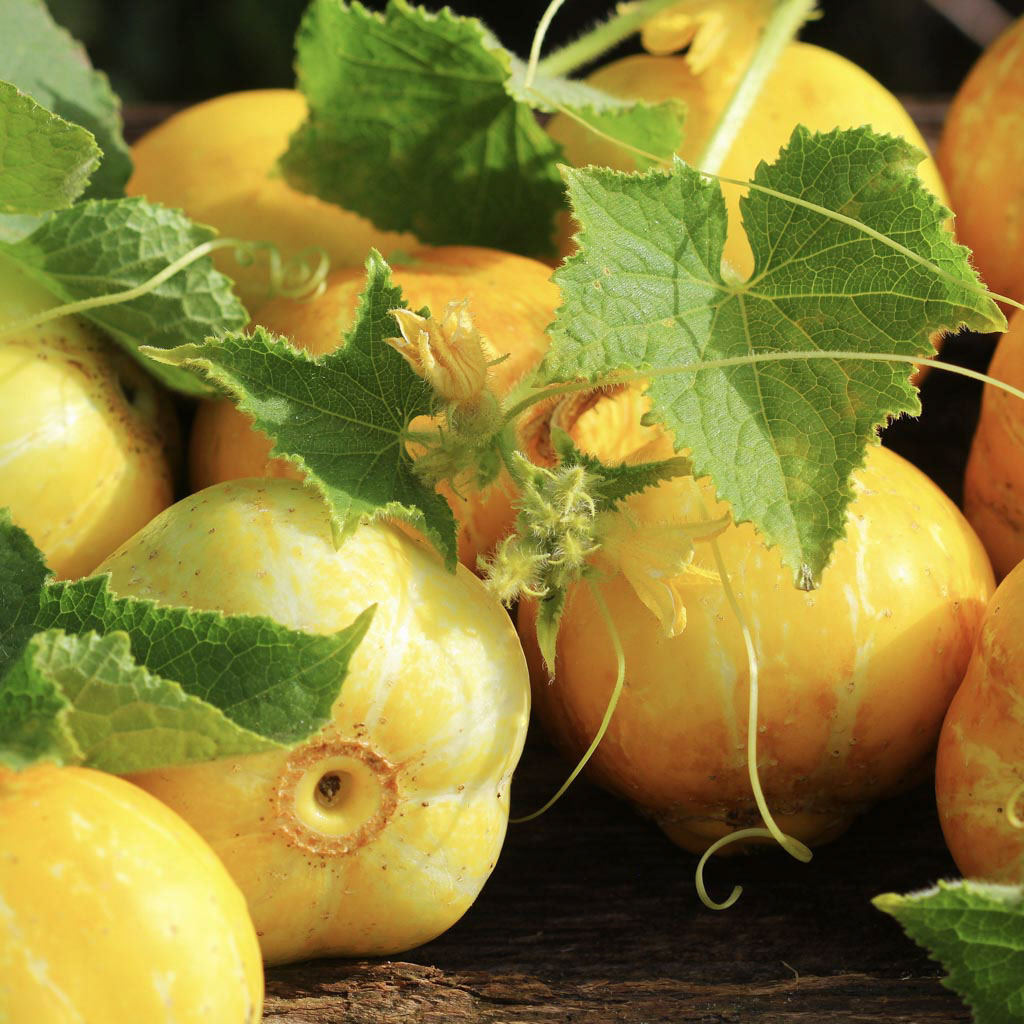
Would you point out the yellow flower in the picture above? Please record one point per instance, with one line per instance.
(448, 353)
(716, 31)
(657, 561)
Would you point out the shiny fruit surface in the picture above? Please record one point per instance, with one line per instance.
(994, 481)
(378, 833)
(216, 161)
(979, 772)
(809, 85)
(981, 154)
(854, 677)
(114, 910)
(84, 433)
(511, 299)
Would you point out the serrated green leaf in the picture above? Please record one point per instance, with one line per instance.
(182, 686)
(780, 439)
(976, 931)
(23, 573)
(342, 417)
(33, 717)
(651, 132)
(45, 162)
(411, 124)
(100, 247)
(122, 717)
(274, 681)
(42, 60)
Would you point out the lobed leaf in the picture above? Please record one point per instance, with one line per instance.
(342, 417)
(423, 122)
(646, 294)
(265, 677)
(119, 716)
(125, 685)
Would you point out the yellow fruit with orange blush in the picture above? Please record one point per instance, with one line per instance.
(980, 155)
(855, 677)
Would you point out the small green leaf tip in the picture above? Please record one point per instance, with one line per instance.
(46, 63)
(45, 162)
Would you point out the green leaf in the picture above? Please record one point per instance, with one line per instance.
(976, 931)
(342, 417)
(118, 716)
(126, 685)
(411, 125)
(23, 573)
(274, 681)
(423, 122)
(42, 60)
(33, 716)
(45, 162)
(780, 439)
(100, 247)
(651, 132)
(549, 618)
(612, 484)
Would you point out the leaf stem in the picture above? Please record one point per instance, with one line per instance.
(783, 24)
(113, 298)
(620, 678)
(628, 19)
(538, 40)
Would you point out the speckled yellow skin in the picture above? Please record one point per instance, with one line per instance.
(809, 86)
(854, 677)
(994, 481)
(81, 467)
(512, 301)
(981, 154)
(980, 763)
(426, 732)
(216, 161)
(113, 910)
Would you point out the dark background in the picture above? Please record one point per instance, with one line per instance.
(176, 51)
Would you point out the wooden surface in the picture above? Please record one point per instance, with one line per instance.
(591, 916)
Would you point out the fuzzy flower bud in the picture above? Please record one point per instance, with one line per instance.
(448, 353)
